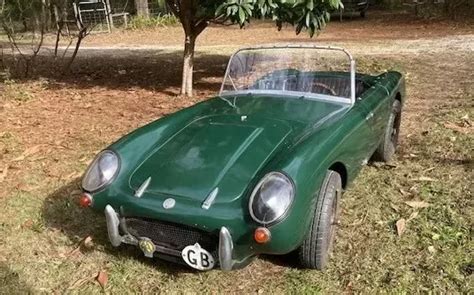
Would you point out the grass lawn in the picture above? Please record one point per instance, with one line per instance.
(52, 125)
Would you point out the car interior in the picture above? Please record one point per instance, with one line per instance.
(328, 83)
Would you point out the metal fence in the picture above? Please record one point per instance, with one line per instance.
(94, 14)
(150, 7)
(104, 15)
(99, 15)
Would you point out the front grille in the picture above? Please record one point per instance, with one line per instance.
(170, 235)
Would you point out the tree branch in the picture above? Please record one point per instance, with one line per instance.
(175, 9)
(200, 26)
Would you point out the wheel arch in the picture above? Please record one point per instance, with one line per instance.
(340, 168)
(398, 97)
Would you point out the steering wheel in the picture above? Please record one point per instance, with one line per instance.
(326, 88)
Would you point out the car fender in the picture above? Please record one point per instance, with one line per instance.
(306, 164)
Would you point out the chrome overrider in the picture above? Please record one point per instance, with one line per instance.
(113, 224)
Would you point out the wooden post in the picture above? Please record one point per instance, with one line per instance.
(77, 13)
(108, 15)
(142, 8)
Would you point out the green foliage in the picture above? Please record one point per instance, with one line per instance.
(311, 15)
(25, 12)
(141, 22)
(13, 92)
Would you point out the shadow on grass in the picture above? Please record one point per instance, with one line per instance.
(62, 212)
(289, 260)
(467, 163)
(10, 282)
(122, 69)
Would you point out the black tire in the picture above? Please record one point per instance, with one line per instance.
(315, 250)
(388, 146)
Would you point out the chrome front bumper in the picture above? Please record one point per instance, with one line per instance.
(225, 247)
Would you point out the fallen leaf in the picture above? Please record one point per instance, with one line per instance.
(413, 189)
(429, 169)
(377, 164)
(32, 150)
(37, 158)
(27, 224)
(466, 120)
(424, 178)
(389, 166)
(75, 193)
(84, 244)
(74, 252)
(20, 158)
(80, 282)
(417, 204)
(403, 192)
(401, 223)
(27, 188)
(394, 207)
(413, 216)
(4, 173)
(456, 128)
(73, 175)
(87, 242)
(349, 286)
(431, 249)
(102, 278)
(28, 152)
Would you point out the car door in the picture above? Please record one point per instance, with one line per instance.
(377, 106)
(358, 143)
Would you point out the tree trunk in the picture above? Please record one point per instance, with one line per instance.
(188, 65)
(186, 11)
(80, 36)
(142, 8)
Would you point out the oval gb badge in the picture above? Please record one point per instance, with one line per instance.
(197, 257)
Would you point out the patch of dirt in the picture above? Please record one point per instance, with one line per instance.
(377, 25)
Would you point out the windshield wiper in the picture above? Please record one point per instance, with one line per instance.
(232, 104)
(232, 81)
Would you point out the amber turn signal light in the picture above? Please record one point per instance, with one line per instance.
(85, 200)
(262, 235)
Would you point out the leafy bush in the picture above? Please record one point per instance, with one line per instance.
(141, 22)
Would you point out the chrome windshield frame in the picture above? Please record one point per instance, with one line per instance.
(296, 46)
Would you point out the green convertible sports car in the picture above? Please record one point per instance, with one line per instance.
(258, 169)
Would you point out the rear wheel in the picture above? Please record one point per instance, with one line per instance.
(315, 250)
(387, 147)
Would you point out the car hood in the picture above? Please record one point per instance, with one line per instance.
(216, 151)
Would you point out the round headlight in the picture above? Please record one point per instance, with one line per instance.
(271, 198)
(101, 171)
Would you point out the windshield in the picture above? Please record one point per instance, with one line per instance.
(326, 73)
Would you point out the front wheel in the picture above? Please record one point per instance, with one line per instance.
(387, 147)
(315, 250)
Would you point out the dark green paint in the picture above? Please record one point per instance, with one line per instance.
(210, 145)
